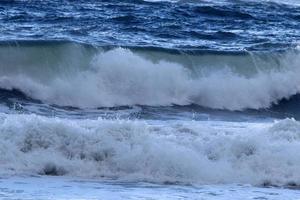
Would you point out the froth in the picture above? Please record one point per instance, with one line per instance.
(188, 152)
(121, 77)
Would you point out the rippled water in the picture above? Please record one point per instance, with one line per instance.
(222, 25)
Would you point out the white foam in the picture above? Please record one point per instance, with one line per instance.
(192, 152)
(121, 77)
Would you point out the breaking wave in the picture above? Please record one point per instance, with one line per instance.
(70, 74)
(178, 151)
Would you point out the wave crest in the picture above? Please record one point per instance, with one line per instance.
(123, 77)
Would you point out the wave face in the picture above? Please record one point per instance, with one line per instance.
(70, 74)
(184, 152)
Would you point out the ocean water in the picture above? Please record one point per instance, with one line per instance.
(178, 99)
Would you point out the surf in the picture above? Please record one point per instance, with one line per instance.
(60, 74)
(211, 152)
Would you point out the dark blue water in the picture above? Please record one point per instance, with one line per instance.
(208, 25)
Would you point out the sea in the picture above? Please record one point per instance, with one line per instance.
(150, 99)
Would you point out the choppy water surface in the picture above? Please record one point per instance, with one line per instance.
(187, 93)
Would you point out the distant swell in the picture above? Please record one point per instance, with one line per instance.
(70, 74)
